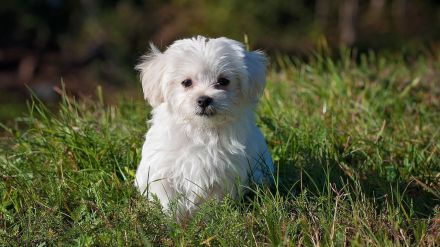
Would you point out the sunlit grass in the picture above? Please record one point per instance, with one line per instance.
(356, 144)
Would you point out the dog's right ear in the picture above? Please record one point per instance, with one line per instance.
(151, 69)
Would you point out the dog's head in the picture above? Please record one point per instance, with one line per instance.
(202, 79)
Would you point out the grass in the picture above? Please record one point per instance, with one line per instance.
(356, 143)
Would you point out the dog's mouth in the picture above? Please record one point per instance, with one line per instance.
(206, 112)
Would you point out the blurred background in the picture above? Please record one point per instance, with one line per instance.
(86, 43)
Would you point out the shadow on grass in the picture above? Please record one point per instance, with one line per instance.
(322, 173)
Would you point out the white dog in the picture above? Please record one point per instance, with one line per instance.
(203, 142)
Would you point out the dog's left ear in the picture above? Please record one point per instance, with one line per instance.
(256, 63)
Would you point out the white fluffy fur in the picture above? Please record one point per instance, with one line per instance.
(190, 158)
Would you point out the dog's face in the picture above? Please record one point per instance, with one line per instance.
(203, 80)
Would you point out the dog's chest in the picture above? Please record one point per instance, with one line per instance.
(210, 160)
(206, 167)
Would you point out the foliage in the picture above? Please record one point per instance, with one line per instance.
(356, 144)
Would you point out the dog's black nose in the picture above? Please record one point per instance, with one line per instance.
(204, 101)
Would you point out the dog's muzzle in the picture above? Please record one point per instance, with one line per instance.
(204, 106)
(205, 112)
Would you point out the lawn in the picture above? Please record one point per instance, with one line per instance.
(355, 139)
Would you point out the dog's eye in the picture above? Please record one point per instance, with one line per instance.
(187, 83)
(222, 81)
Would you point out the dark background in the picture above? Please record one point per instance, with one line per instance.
(86, 43)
